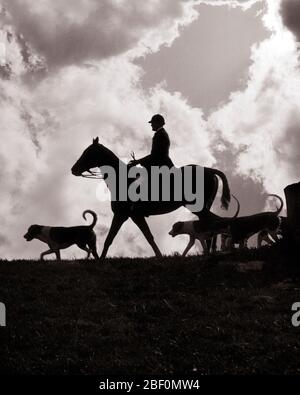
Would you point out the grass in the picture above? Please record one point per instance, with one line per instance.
(142, 316)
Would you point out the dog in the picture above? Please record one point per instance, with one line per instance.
(242, 228)
(59, 238)
(211, 243)
(205, 229)
(270, 239)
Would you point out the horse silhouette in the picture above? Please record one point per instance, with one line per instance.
(97, 155)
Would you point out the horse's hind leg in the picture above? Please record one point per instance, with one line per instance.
(210, 192)
(211, 185)
(117, 222)
(142, 224)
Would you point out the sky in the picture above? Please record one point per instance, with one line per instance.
(224, 73)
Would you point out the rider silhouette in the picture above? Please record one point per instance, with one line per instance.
(160, 146)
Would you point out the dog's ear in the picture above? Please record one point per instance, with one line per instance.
(34, 230)
(96, 141)
(178, 226)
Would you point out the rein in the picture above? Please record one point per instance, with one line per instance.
(96, 174)
(93, 175)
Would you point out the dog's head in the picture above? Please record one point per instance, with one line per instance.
(32, 232)
(176, 230)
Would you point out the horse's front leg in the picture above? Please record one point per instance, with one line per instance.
(117, 222)
(142, 224)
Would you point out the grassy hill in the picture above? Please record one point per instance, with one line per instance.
(205, 316)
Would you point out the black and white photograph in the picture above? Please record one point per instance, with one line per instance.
(149, 190)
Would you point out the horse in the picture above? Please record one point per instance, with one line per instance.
(98, 156)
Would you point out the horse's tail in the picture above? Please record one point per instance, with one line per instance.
(238, 207)
(226, 196)
(95, 218)
(278, 211)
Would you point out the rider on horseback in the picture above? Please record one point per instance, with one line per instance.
(97, 155)
(160, 147)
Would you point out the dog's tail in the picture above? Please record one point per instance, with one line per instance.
(238, 207)
(281, 204)
(95, 218)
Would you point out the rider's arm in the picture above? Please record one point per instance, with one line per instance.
(144, 161)
(160, 149)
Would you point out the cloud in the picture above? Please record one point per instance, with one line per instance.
(3, 240)
(261, 121)
(17, 56)
(97, 29)
(244, 4)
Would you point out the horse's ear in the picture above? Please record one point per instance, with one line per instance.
(96, 141)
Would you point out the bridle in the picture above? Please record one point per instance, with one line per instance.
(96, 174)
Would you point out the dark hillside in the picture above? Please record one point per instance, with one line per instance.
(150, 316)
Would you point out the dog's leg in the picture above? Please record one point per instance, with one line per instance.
(214, 244)
(274, 235)
(243, 244)
(229, 243)
(205, 245)
(85, 248)
(93, 249)
(89, 253)
(46, 253)
(208, 244)
(58, 257)
(263, 236)
(260, 239)
(224, 238)
(189, 246)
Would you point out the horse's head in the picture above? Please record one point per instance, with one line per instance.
(88, 160)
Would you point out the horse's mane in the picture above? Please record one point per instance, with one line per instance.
(110, 155)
